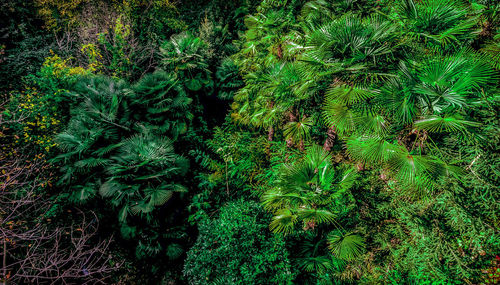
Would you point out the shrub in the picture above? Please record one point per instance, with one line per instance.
(237, 248)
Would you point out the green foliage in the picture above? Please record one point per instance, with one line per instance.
(117, 45)
(298, 131)
(235, 248)
(160, 103)
(26, 57)
(228, 79)
(184, 54)
(401, 95)
(154, 21)
(443, 22)
(125, 156)
(347, 246)
(394, 82)
(36, 113)
(306, 191)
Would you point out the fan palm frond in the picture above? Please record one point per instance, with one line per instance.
(347, 246)
(442, 21)
(82, 193)
(283, 222)
(183, 51)
(348, 95)
(158, 196)
(340, 117)
(300, 130)
(318, 216)
(372, 151)
(436, 124)
(372, 125)
(276, 199)
(318, 264)
(416, 172)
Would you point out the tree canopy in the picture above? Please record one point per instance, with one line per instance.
(249, 142)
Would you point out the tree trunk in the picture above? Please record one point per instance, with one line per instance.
(360, 167)
(301, 145)
(280, 51)
(291, 118)
(270, 134)
(4, 263)
(330, 139)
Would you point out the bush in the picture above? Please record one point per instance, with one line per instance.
(237, 248)
(35, 113)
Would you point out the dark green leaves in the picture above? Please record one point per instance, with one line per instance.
(120, 143)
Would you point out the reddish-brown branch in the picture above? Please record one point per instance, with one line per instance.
(35, 251)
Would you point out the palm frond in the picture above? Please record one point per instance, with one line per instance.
(348, 95)
(158, 196)
(347, 246)
(436, 124)
(319, 216)
(283, 222)
(299, 131)
(110, 188)
(340, 117)
(372, 151)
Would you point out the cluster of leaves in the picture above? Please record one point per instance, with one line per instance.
(361, 144)
(236, 248)
(35, 113)
(395, 83)
(24, 44)
(120, 143)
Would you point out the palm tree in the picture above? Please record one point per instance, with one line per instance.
(350, 48)
(141, 174)
(119, 143)
(426, 97)
(346, 246)
(184, 54)
(270, 95)
(101, 116)
(263, 43)
(417, 174)
(299, 131)
(440, 22)
(228, 79)
(161, 103)
(304, 192)
(438, 85)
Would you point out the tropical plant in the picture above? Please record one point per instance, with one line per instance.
(126, 157)
(367, 129)
(184, 55)
(441, 22)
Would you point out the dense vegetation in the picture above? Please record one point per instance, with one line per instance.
(250, 142)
